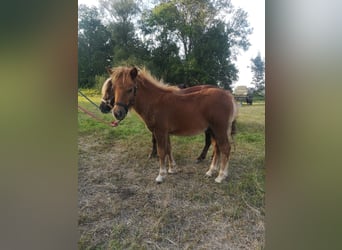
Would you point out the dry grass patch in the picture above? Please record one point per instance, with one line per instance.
(121, 206)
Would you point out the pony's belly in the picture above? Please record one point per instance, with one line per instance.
(188, 131)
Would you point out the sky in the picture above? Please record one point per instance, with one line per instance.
(256, 19)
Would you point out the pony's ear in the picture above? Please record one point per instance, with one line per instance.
(109, 71)
(134, 72)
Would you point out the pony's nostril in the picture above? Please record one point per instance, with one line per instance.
(118, 114)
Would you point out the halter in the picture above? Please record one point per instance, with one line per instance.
(126, 107)
(108, 102)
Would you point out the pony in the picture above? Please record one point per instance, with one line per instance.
(107, 104)
(165, 111)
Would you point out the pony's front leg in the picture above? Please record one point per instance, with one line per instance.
(161, 147)
(154, 148)
(172, 165)
(172, 162)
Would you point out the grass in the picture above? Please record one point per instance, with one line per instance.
(121, 207)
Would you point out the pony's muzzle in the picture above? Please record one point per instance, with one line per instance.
(119, 113)
(120, 110)
(106, 105)
(104, 108)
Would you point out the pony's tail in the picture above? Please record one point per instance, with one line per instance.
(234, 129)
(232, 123)
(233, 133)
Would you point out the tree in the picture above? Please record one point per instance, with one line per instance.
(180, 41)
(94, 46)
(120, 11)
(258, 70)
(238, 31)
(127, 47)
(204, 39)
(212, 56)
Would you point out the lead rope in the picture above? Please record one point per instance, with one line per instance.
(112, 124)
(79, 91)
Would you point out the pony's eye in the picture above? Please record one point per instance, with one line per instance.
(130, 90)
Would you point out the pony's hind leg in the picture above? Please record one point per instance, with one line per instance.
(215, 161)
(223, 174)
(225, 153)
(208, 135)
(225, 142)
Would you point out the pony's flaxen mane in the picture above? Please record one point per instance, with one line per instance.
(143, 75)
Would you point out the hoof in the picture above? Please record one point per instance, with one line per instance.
(159, 179)
(198, 161)
(209, 174)
(172, 171)
(219, 179)
(151, 156)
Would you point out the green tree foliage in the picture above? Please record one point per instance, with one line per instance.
(127, 47)
(211, 58)
(258, 70)
(205, 40)
(180, 41)
(120, 11)
(94, 46)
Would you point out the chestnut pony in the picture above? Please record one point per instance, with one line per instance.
(107, 104)
(165, 112)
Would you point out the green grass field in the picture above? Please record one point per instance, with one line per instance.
(121, 207)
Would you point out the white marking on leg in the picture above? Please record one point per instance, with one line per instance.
(161, 176)
(172, 165)
(209, 173)
(162, 171)
(219, 179)
(213, 165)
(159, 179)
(223, 174)
(172, 170)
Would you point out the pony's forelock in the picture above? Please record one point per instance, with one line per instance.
(120, 72)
